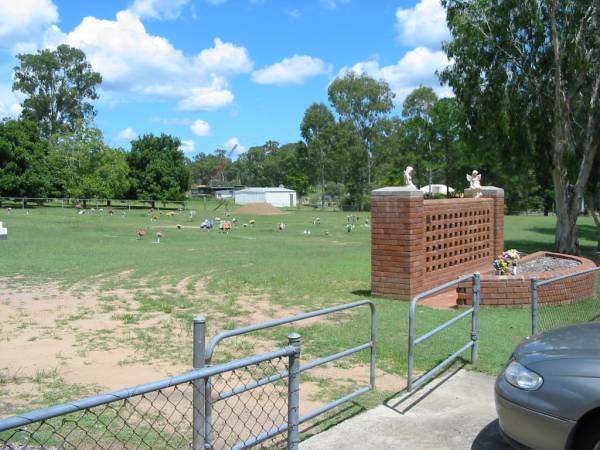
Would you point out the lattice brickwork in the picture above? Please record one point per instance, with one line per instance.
(418, 244)
(457, 233)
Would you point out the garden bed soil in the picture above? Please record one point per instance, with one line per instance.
(546, 263)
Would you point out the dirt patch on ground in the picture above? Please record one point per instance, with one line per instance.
(259, 209)
(59, 344)
(76, 336)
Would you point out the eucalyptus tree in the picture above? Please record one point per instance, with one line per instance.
(419, 133)
(318, 131)
(362, 101)
(447, 123)
(528, 75)
(58, 86)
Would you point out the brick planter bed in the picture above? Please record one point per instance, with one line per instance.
(515, 290)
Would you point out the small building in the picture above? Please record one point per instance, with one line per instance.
(276, 196)
(436, 189)
(220, 192)
(223, 192)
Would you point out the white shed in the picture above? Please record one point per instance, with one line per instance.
(276, 196)
(436, 189)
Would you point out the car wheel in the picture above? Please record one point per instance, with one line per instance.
(590, 440)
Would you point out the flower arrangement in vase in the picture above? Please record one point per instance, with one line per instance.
(506, 263)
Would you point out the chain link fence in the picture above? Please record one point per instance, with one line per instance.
(565, 300)
(168, 415)
(248, 402)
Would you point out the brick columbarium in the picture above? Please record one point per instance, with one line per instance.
(418, 244)
(3, 232)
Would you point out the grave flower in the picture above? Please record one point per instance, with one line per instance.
(506, 263)
(141, 233)
(511, 255)
(501, 266)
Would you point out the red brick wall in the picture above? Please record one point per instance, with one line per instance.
(397, 242)
(459, 238)
(418, 244)
(514, 290)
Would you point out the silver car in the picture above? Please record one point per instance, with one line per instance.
(548, 395)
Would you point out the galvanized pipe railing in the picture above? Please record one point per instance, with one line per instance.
(413, 341)
(208, 352)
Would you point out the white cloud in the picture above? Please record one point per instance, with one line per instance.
(294, 70)
(172, 121)
(423, 25)
(333, 4)
(206, 98)
(9, 102)
(127, 134)
(200, 128)
(124, 53)
(23, 23)
(158, 9)
(223, 58)
(293, 13)
(417, 67)
(234, 144)
(187, 146)
(135, 62)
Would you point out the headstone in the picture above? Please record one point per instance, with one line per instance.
(3, 232)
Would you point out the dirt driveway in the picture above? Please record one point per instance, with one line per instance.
(454, 412)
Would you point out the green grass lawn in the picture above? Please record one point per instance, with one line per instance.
(289, 269)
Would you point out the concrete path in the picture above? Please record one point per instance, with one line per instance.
(454, 412)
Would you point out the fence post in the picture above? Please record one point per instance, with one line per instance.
(293, 434)
(535, 313)
(198, 405)
(475, 318)
(411, 344)
(373, 346)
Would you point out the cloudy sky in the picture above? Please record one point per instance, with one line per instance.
(222, 72)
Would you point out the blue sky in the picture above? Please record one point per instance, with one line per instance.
(220, 72)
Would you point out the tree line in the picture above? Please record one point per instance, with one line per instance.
(53, 149)
(355, 144)
(525, 111)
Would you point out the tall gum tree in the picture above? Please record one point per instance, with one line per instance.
(58, 86)
(539, 61)
(318, 131)
(362, 101)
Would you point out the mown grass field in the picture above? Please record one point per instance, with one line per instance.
(289, 270)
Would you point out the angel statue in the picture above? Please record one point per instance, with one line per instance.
(408, 177)
(475, 182)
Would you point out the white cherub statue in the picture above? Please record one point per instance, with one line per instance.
(408, 177)
(475, 182)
